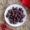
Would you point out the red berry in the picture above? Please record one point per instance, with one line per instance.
(11, 29)
(3, 28)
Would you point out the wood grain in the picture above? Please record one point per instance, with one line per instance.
(4, 4)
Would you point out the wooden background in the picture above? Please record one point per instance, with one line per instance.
(5, 3)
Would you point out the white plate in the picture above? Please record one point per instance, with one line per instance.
(10, 7)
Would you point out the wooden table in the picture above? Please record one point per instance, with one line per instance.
(4, 4)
